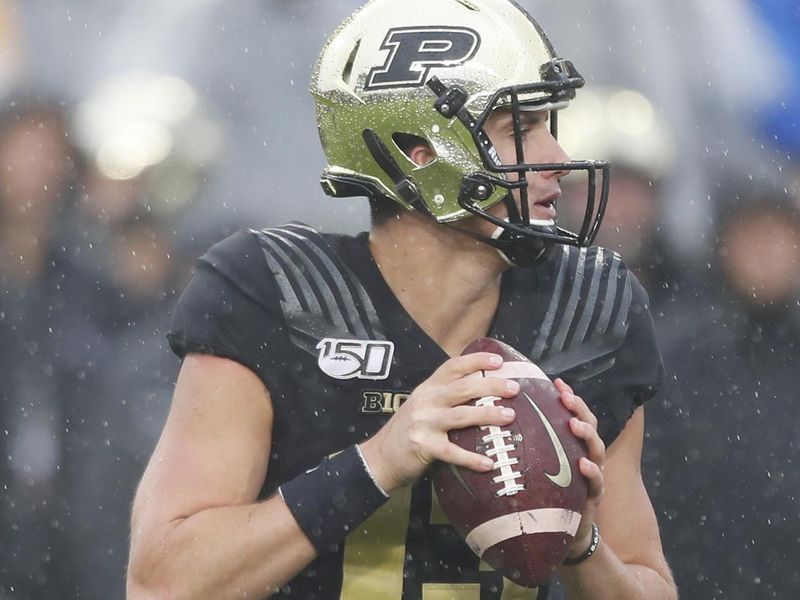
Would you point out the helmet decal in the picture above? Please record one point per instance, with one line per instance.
(413, 51)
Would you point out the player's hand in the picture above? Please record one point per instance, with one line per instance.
(584, 426)
(416, 435)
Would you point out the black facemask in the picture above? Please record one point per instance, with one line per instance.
(523, 241)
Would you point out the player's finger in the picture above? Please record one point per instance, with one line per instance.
(460, 417)
(562, 385)
(578, 407)
(461, 366)
(587, 433)
(594, 477)
(454, 454)
(467, 388)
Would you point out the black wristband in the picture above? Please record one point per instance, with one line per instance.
(589, 551)
(334, 498)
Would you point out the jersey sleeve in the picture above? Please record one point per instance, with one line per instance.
(636, 375)
(229, 308)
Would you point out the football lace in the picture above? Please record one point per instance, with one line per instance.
(499, 450)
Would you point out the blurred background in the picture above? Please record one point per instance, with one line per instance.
(133, 135)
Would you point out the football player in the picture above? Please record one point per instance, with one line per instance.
(321, 373)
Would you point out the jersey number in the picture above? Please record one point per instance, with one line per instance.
(374, 559)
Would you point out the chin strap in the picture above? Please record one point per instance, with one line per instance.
(515, 249)
(518, 244)
(521, 251)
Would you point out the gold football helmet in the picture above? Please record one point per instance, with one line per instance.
(436, 69)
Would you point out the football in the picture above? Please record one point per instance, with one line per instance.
(522, 516)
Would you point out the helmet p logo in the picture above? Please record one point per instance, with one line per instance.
(413, 51)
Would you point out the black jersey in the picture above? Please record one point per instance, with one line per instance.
(312, 316)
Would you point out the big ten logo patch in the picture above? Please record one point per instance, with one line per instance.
(362, 359)
(382, 403)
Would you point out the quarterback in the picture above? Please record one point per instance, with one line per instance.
(321, 373)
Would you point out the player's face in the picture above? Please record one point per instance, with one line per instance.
(539, 146)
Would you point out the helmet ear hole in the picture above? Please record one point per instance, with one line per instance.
(347, 72)
(416, 148)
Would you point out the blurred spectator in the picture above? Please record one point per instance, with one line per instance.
(137, 183)
(132, 382)
(89, 264)
(724, 462)
(37, 174)
(706, 67)
(35, 180)
(621, 126)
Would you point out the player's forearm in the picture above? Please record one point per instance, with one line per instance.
(226, 552)
(605, 577)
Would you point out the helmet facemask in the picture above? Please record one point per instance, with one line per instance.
(520, 239)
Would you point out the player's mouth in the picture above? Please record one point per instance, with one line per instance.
(545, 209)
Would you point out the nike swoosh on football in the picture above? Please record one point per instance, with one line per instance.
(563, 478)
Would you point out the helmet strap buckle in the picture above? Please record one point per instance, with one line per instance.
(449, 101)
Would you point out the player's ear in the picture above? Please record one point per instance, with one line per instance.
(415, 148)
(422, 155)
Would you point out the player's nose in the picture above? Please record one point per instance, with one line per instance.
(554, 153)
